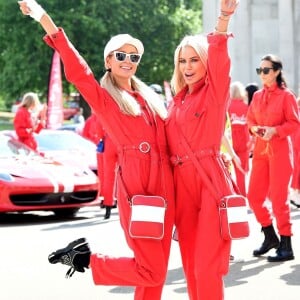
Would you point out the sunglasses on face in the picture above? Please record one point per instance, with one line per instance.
(121, 56)
(264, 70)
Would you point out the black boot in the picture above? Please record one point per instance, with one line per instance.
(271, 241)
(107, 212)
(76, 255)
(284, 252)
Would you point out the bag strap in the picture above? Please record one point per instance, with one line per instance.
(200, 170)
(121, 180)
(197, 164)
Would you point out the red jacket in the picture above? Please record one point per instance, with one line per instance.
(128, 133)
(201, 118)
(273, 107)
(202, 115)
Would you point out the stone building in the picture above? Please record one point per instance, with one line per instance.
(261, 27)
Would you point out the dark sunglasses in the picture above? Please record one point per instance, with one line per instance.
(264, 70)
(121, 56)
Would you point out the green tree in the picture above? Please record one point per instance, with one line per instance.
(25, 60)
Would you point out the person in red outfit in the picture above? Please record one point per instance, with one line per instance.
(294, 193)
(132, 114)
(109, 163)
(272, 117)
(240, 134)
(30, 118)
(201, 84)
(106, 160)
(92, 129)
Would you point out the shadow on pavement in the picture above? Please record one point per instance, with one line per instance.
(293, 277)
(239, 272)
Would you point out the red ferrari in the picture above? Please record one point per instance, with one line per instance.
(29, 181)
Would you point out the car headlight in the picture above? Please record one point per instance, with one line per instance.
(6, 177)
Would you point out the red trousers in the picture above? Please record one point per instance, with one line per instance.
(205, 255)
(147, 269)
(270, 177)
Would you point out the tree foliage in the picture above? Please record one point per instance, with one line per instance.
(25, 60)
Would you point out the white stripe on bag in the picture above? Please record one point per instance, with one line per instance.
(237, 214)
(147, 213)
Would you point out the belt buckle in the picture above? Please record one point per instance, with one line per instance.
(144, 147)
(178, 161)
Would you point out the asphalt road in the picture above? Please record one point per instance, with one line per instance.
(25, 274)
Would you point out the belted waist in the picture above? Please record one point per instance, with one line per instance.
(144, 148)
(180, 159)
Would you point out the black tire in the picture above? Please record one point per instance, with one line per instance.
(66, 212)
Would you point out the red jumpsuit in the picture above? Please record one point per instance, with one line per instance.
(144, 172)
(25, 127)
(272, 163)
(240, 139)
(201, 118)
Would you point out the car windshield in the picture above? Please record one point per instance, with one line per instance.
(11, 148)
(62, 141)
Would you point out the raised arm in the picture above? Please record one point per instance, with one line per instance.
(34, 10)
(76, 69)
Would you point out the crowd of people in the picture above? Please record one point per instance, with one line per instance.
(143, 148)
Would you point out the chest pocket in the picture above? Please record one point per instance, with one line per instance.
(190, 124)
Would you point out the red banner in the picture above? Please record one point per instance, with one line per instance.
(55, 95)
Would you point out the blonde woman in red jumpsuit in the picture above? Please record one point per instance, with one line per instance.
(272, 117)
(133, 116)
(25, 123)
(201, 82)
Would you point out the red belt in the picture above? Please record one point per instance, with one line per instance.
(143, 150)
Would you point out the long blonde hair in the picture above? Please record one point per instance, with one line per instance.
(200, 45)
(30, 100)
(127, 103)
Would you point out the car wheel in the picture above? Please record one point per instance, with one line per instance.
(66, 212)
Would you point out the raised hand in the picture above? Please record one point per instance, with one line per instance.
(32, 8)
(228, 7)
